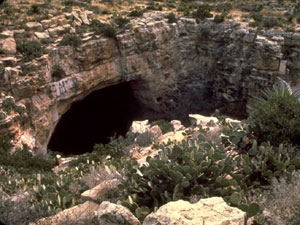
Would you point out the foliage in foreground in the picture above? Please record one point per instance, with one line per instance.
(239, 167)
(203, 168)
(275, 117)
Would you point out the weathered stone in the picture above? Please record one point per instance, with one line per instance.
(204, 121)
(42, 35)
(139, 127)
(175, 68)
(6, 34)
(84, 18)
(210, 211)
(83, 213)
(8, 46)
(34, 25)
(47, 23)
(54, 32)
(112, 214)
(76, 16)
(9, 61)
(177, 125)
(97, 192)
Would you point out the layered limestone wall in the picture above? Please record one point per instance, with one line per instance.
(177, 69)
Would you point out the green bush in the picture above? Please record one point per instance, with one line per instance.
(178, 172)
(219, 18)
(171, 18)
(120, 21)
(203, 11)
(71, 39)
(136, 13)
(57, 72)
(165, 126)
(275, 117)
(30, 49)
(22, 160)
(270, 21)
(102, 28)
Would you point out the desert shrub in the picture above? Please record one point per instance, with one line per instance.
(257, 17)
(219, 18)
(203, 11)
(24, 161)
(34, 9)
(282, 204)
(71, 39)
(165, 126)
(30, 49)
(275, 117)
(223, 7)
(57, 72)
(154, 6)
(171, 18)
(103, 28)
(120, 21)
(136, 13)
(185, 8)
(270, 21)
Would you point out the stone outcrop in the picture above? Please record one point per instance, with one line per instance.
(211, 211)
(174, 69)
(112, 214)
(79, 214)
(101, 189)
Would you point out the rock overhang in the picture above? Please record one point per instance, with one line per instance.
(179, 68)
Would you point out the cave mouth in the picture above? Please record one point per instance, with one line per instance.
(103, 114)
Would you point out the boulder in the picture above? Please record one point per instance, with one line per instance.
(84, 18)
(83, 213)
(34, 25)
(6, 34)
(112, 214)
(177, 125)
(204, 121)
(42, 35)
(139, 126)
(210, 211)
(8, 46)
(98, 191)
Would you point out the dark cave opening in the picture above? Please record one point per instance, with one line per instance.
(101, 115)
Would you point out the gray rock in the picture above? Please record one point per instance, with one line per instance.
(210, 211)
(34, 25)
(79, 214)
(112, 214)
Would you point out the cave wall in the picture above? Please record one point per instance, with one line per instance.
(179, 68)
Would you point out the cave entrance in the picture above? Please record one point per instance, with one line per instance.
(103, 114)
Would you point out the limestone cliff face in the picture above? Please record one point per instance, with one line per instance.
(175, 69)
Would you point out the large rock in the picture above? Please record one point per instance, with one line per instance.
(210, 211)
(99, 191)
(112, 214)
(8, 46)
(173, 69)
(79, 214)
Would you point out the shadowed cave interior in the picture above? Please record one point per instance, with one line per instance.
(102, 114)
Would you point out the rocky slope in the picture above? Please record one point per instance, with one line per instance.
(174, 69)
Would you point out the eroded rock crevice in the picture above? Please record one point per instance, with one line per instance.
(102, 115)
(178, 68)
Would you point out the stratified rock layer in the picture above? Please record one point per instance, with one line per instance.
(175, 69)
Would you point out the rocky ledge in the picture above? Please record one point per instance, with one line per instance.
(174, 69)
